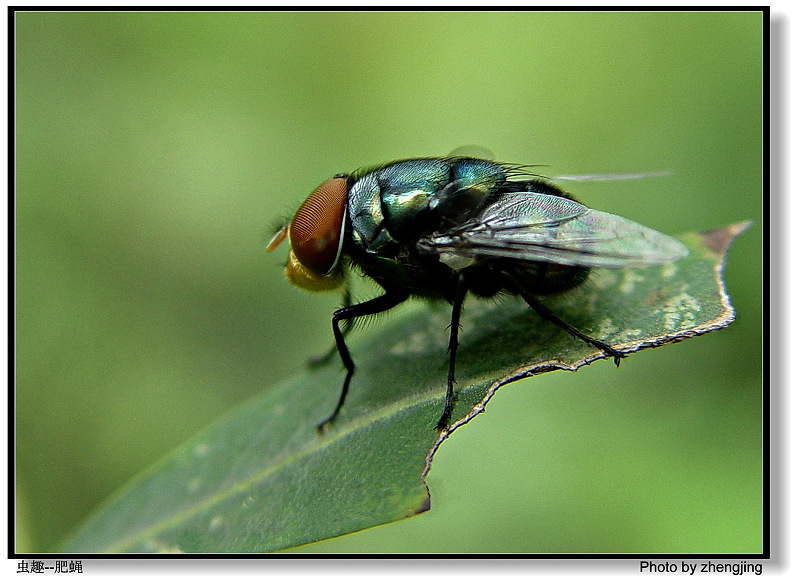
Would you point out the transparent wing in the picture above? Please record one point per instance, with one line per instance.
(613, 176)
(533, 227)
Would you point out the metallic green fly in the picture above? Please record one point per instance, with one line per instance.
(438, 228)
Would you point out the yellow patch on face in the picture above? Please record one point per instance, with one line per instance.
(304, 278)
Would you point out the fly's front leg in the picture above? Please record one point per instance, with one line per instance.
(347, 325)
(348, 313)
(458, 301)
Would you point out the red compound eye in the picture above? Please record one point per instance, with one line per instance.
(315, 231)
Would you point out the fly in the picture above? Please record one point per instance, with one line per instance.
(440, 227)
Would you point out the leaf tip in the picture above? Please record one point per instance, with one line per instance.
(719, 239)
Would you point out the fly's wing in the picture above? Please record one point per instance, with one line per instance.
(613, 176)
(535, 227)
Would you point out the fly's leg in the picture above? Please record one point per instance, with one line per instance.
(549, 316)
(347, 325)
(347, 313)
(458, 301)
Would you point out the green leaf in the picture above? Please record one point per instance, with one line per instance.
(263, 479)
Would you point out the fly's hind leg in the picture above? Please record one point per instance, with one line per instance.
(549, 316)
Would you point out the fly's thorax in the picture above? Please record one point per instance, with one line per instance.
(390, 203)
(478, 172)
(410, 198)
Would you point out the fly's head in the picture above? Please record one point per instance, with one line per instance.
(316, 233)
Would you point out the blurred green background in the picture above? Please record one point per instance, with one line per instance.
(154, 152)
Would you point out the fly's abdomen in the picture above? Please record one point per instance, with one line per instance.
(547, 278)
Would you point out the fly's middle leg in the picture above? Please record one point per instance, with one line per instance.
(458, 301)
